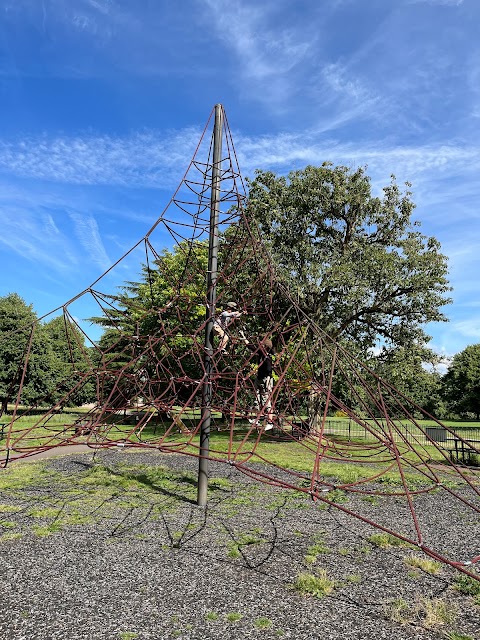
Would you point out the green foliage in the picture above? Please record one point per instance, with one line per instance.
(211, 616)
(404, 369)
(355, 263)
(233, 616)
(263, 623)
(318, 585)
(425, 564)
(462, 382)
(385, 540)
(50, 357)
(467, 586)
(18, 330)
(69, 360)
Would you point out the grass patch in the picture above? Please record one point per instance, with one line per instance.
(263, 623)
(8, 508)
(436, 612)
(47, 530)
(314, 550)
(233, 616)
(317, 585)
(386, 540)
(468, 587)
(211, 616)
(10, 535)
(22, 476)
(425, 564)
(398, 611)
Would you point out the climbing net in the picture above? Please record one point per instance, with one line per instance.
(147, 375)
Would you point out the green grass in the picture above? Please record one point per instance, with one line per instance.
(233, 616)
(263, 623)
(468, 587)
(385, 540)
(425, 564)
(317, 585)
(211, 616)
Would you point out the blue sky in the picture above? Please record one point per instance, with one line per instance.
(102, 103)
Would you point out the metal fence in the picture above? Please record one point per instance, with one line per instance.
(403, 431)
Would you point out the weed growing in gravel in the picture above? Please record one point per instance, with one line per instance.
(47, 530)
(47, 512)
(233, 551)
(385, 540)
(468, 586)
(233, 616)
(315, 550)
(436, 612)
(263, 623)
(398, 611)
(425, 564)
(453, 635)
(8, 508)
(128, 635)
(309, 584)
(337, 495)
(5, 537)
(7, 524)
(429, 612)
(344, 551)
(211, 616)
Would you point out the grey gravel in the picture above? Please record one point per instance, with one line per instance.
(165, 568)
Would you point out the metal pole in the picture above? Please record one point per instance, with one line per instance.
(206, 415)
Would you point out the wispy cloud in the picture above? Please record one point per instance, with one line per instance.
(452, 3)
(87, 232)
(266, 49)
(155, 159)
(142, 159)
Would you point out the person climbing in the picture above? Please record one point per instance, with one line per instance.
(263, 355)
(223, 321)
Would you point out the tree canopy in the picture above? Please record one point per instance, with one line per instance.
(462, 382)
(355, 263)
(49, 356)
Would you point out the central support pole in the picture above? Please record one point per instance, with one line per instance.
(210, 311)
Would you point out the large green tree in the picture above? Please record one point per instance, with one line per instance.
(462, 382)
(24, 353)
(355, 263)
(69, 363)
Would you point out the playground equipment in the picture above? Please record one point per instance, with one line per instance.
(160, 382)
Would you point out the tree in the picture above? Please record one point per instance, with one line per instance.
(355, 263)
(462, 382)
(69, 362)
(405, 370)
(23, 341)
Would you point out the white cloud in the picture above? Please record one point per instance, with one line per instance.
(450, 3)
(142, 159)
(154, 159)
(87, 232)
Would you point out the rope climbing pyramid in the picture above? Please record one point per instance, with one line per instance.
(268, 375)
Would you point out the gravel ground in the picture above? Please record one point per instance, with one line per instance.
(153, 565)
